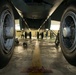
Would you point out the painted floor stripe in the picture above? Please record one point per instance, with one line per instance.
(36, 60)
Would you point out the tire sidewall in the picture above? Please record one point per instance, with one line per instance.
(3, 55)
(68, 55)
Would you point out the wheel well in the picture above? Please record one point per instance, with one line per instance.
(60, 10)
(16, 15)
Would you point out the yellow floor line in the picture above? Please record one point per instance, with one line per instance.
(36, 60)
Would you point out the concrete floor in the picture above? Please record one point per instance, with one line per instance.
(37, 54)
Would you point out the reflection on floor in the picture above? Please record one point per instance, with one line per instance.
(39, 58)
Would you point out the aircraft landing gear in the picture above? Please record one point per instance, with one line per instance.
(16, 42)
(57, 42)
(25, 35)
(68, 34)
(7, 33)
(28, 34)
(40, 34)
(37, 35)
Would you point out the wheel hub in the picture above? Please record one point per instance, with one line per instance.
(9, 32)
(66, 32)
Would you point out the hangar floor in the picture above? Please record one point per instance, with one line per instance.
(39, 58)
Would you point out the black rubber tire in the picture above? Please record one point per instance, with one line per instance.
(42, 35)
(16, 42)
(37, 35)
(6, 52)
(24, 44)
(30, 35)
(68, 50)
(25, 35)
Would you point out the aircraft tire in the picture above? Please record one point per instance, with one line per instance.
(37, 35)
(16, 42)
(25, 35)
(42, 35)
(68, 35)
(7, 33)
(30, 35)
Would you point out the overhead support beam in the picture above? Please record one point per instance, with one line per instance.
(23, 24)
(20, 4)
(26, 24)
(21, 17)
(56, 4)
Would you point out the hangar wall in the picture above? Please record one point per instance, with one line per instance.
(54, 27)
